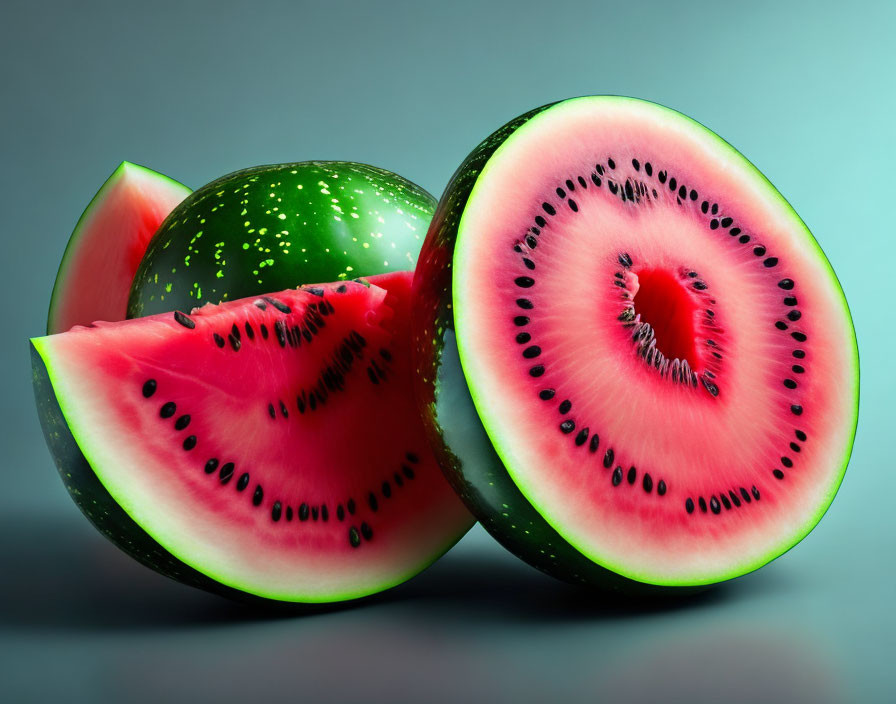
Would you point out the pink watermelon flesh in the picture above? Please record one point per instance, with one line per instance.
(657, 348)
(107, 245)
(271, 444)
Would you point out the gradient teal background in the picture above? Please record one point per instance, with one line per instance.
(805, 90)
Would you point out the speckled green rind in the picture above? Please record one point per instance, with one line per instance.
(461, 444)
(95, 501)
(275, 227)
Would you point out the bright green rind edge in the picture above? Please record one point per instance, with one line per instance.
(196, 575)
(74, 241)
(482, 406)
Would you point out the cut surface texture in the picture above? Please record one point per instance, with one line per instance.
(267, 446)
(107, 245)
(656, 346)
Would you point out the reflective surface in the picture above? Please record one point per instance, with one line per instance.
(200, 89)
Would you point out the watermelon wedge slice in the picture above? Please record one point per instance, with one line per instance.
(266, 447)
(107, 245)
(661, 368)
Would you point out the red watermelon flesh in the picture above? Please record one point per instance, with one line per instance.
(269, 444)
(107, 245)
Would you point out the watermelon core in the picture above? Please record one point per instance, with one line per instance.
(662, 360)
(262, 447)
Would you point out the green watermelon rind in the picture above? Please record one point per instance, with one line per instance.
(482, 405)
(111, 515)
(74, 242)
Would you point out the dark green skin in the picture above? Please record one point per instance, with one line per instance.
(205, 252)
(462, 445)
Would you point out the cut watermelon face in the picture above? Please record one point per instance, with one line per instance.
(107, 245)
(658, 350)
(266, 447)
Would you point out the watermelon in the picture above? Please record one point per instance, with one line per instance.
(261, 448)
(107, 245)
(274, 227)
(636, 365)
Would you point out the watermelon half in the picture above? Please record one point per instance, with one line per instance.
(107, 245)
(264, 447)
(637, 365)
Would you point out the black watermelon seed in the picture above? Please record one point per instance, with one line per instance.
(787, 462)
(734, 231)
(264, 331)
(759, 250)
(794, 315)
(168, 409)
(342, 288)
(689, 504)
(523, 337)
(582, 182)
(682, 192)
(271, 412)
(521, 320)
(708, 385)
(786, 284)
(149, 388)
(532, 352)
(636, 164)
(531, 242)
(190, 442)
(713, 224)
(781, 325)
(632, 475)
(226, 474)
(625, 259)
(704, 206)
(524, 281)
(790, 301)
(700, 285)
(250, 333)
(629, 191)
(778, 473)
(537, 370)
(387, 489)
(800, 435)
(570, 185)
(617, 476)
(745, 494)
(324, 513)
(662, 176)
(280, 330)
(572, 205)
(673, 184)
(289, 513)
(797, 410)
(529, 264)
(614, 187)
(304, 511)
(235, 331)
(755, 493)
(260, 304)
(258, 495)
(648, 167)
(524, 303)
(366, 531)
(540, 221)
(371, 500)
(276, 509)
(300, 403)
(790, 383)
(354, 538)
(611, 163)
(407, 471)
(714, 505)
(411, 457)
(211, 465)
(184, 320)
(315, 513)
(546, 394)
(340, 512)
(715, 208)
(798, 336)
(797, 369)
(693, 194)
(770, 262)
(725, 502)
(734, 499)
(726, 222)
(582, 436)
(282, 307)
(350, 505)
(794, 447)
(283, 410)
(548, 208)
(565, 406)
(608, 458)
(560, 192)
(661, 488)
(396, 477)
(647, 483)
(702, 503)
(595, 179)
(568, 425)
(315, 291)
